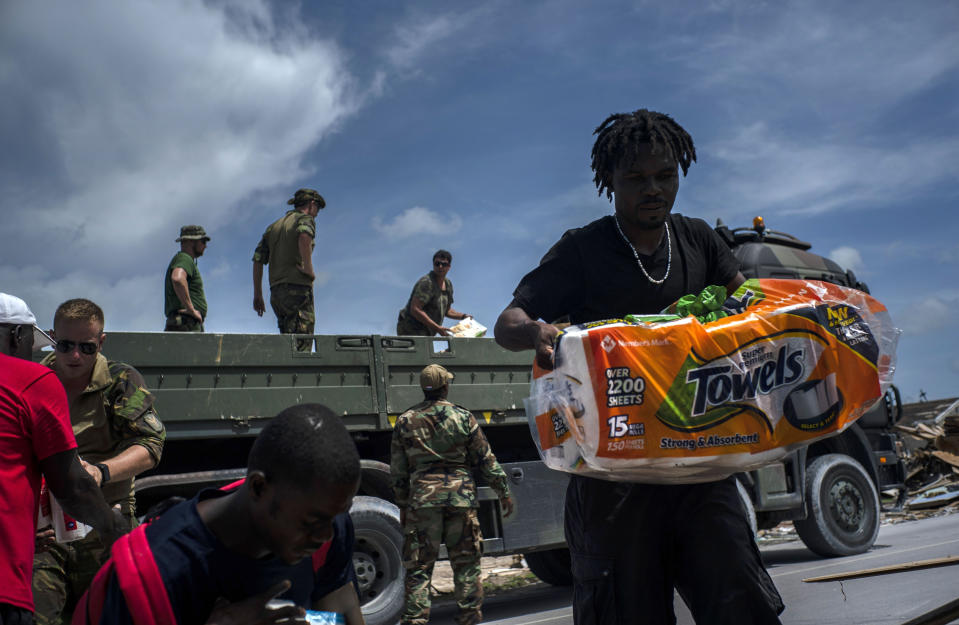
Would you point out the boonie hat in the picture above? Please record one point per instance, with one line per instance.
(192, 232)
(302, 196)
(15, 311)
(433, 377)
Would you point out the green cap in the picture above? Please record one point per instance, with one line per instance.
(302, 196)
(192, 232)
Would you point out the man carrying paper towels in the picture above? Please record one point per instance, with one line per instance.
(632, 544)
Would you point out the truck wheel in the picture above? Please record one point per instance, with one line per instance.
(553, 566)
(748, 506)
(842, 505)
(378, 559)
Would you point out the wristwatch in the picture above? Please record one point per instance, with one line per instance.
(104, 472)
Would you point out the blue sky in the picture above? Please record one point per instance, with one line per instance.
(427, 125)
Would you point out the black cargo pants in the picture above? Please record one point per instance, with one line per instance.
(632, 544)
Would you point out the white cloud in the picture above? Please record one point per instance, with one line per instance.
(769, 172)
(417, 221)
(847, 257)
(147, 130)
(413, 38)
(931, 314)
(132, 302)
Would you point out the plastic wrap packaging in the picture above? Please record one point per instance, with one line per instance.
(469, 328)
(672, 400)
(65, 528)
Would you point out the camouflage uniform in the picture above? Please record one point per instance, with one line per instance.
(436, 303)
(113, 413)
(291, 290)
(435, 444)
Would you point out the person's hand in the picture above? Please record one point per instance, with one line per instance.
(310, 274)
(253, 610)
(543, 340)
(445, 331)
(193, 312)
(93, 470)
(507, 505)
(258, 305)
(120, 527)
(466, 316)
(44, 539)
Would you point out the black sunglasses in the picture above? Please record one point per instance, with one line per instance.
(441, 263)
(66, 347)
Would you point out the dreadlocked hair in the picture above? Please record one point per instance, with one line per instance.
(620, 136)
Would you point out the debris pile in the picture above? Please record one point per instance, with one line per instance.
(932, 464)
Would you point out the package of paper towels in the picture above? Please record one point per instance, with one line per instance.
(669, 399)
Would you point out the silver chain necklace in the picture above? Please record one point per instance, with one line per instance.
(669, 252)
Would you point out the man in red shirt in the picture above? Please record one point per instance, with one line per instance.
(36, 439)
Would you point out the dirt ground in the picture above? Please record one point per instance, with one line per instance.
(498, 573)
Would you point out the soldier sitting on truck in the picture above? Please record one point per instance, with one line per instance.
(118, 437)
(631, 543)
(435, 445)
(430, 302)
(284, 531)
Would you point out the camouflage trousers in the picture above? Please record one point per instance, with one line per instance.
(63, 573)
(293, 305)
(459, 529)
(182, 323)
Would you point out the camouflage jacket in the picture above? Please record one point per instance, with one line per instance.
(435, 301)
(113, 413)
(435, 445)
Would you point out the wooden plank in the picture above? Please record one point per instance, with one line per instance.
(892, 568)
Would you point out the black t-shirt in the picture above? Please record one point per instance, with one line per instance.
(197, 569)
(591, 274)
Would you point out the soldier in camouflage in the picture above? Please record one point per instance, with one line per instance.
(435, 446)
(287, 247)
(118, 436)
(430, 302)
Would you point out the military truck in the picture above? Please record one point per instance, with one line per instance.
(215, 392)
(831, 490)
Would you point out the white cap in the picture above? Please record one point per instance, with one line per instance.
(15, 311)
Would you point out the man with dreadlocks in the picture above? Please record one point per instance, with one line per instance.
(632, 544)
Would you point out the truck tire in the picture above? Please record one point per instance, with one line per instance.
(553, 566)
(378, 559)
(842, 505)
(748, 506)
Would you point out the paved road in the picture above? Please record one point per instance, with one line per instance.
(887, 599)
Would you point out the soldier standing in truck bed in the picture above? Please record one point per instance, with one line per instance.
(184, 300)
(435, 446)
(287, 247)
(118, 437)
(430, 302)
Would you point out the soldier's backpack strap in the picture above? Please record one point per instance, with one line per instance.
(138, 577)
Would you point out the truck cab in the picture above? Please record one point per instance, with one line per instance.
(833, 489)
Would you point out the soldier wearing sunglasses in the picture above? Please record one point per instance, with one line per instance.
(430, 302)
(118, 437)
(35, 441)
